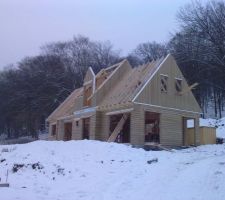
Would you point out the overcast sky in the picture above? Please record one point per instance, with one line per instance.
(25, 25)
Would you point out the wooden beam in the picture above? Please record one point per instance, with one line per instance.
(189, 88)
(120, 111)
(118, 128)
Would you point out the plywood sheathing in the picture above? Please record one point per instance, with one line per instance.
(126, 88)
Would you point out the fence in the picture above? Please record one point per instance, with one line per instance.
(207, 136)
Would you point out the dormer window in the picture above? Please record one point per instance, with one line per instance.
(178, 85)
(163, 83)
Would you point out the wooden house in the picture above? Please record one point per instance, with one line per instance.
(149, 104)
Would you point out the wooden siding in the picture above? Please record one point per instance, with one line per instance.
(171, 125)
(101, 122)
(171, 129)
(207, 136)
(150, 99)
(103, 127)
(60, 130)
(78, 103)
(50, 136)
(137, 126)
(92, 127)
(152, 94)
(197, 131)
(77, 130)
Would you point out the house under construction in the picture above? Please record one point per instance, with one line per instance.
(149, 104)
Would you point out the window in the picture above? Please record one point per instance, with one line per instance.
(163, 83)
(178, 85)
(77, 123)
(86, 128)
(152, 127)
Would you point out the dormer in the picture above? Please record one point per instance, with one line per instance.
(89, 87)
(103, 74)
(108, 78)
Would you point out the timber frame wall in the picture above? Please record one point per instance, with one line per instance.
(172, 108)
(171, 126)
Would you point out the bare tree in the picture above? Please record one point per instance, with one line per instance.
(30, 91)
(149, 51)
(200, 49)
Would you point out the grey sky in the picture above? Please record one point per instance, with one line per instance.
(25, 25)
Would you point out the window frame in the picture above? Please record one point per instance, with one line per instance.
(165, 79)
(177, 80)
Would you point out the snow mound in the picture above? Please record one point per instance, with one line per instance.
(96, 170)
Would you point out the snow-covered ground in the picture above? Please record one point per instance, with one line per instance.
(93, 170)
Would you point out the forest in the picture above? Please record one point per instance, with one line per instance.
(32, 88)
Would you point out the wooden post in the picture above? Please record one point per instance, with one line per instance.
(92, 127)
(184, 131)
(137, 126)
(196, 131)
(60, 129)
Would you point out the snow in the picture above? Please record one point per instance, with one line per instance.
(218, 123)
(93, 170)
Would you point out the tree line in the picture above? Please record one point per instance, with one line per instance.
(31, 89)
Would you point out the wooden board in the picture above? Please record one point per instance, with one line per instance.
(118, 128)
(207, 136)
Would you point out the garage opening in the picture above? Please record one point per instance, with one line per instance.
(152, 127)
(68, 131)
(189, 135)
(124, 133)
(86, 128)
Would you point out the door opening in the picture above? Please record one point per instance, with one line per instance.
(152, 127)
(124, 134)
(68, 131)
(86, 128)
(189, 134)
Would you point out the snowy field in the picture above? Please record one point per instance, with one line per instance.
(92, 170)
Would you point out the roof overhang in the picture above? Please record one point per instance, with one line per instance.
(85, 113)
(122, 105)
(168, 108)
(116, 112)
